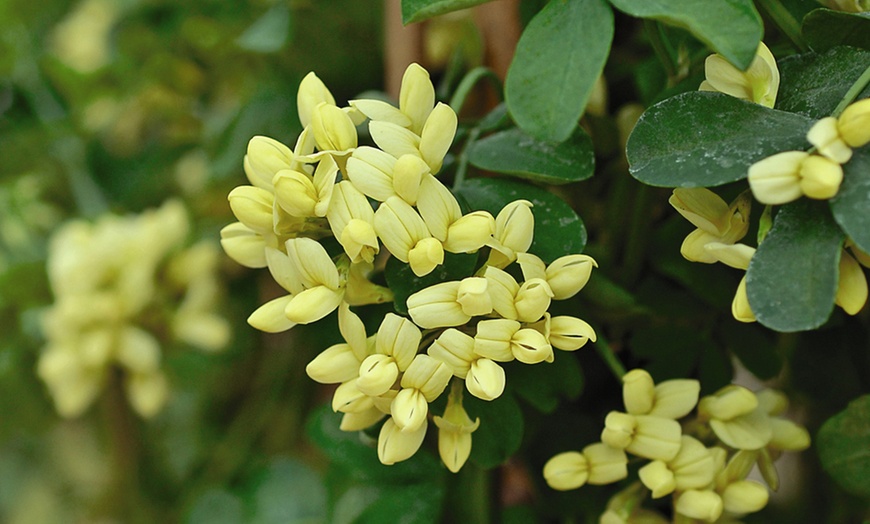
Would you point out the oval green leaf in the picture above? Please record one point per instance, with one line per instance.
(732, 28)
(703, 139)
(825, 28)
(851, 206)
(559, 57)
(513, 152)
(792, 279)
(418, 10)
(843, 443)
(558, 229)
(812, 84)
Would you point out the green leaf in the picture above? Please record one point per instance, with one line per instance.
(732, 28)
(543, 385)
(418, 10)
(515, 153)
(812, 84)
(843, 443)
(703, 139)
(558, 229)
(825, 28)
(559, 57)
(269, 33)
(289, 493)
(792, 278)
(501, 428)
(403, 282)
(851, 206)
(410, 504)
(754, 347)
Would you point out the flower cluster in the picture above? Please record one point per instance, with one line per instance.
(786, 176)
(386, 200)
(703, 463)
(720, 227)
(120, 284)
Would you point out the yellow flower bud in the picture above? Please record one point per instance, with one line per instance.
(851, 286)
(703, 505)
(606, 464)
(675, 398)
(469, 233)
(716, 221)
(744, 496)
(253, 207)
(393, 139)
(740, 308)
(381, 111)
(244, 245)
(265, 157)
(619, 429)
(377, 373)
(493, 339)
(270, 317)
(437, 135)
(400, 228)
(820, 177)
(428, 375)
(788, 436)
(638, 392)
(333, 129)
(454, 432)
(349, 399)
(485, 379)
(531, 347)
(436, 306)
(658, 478)
(147, 392)
(371, 171)
(568, 470)
(694, 466)
(408, 174)
(399, 338)
(826, 137)
(567, 275)
(313, 304)
(416, 96)
(473, 297)
(854, 123)
(454, 348)
(395, 445)
(642, 435)
(409, 409)
(503, 290)
(514, 230)
(776, 179)
(532, 300)
(735, 418)
(425, 256)
(312, 92)
(569, 333)
(758, 84)
(360, 420)
(334, 365)
(728, 403)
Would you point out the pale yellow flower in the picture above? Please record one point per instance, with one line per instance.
(302, 195)
(514, 230)
(406, 236)
(566, 276)
(786, 176)
(266, 157)
(395, 445)
(670, 399)
(454, 432)
(692, 468)
(423, 382)
(716, 221)
(351, 219)
(736, 256)
(647, 436)
(597, 464)
(734, 416)
(758, 84)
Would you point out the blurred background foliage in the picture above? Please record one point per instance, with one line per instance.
(118, 105)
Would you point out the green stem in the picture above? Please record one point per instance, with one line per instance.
(121, 431)
(785, 21)
(602, 347)
(468, 82)
(661, 48)
(462, 162)
(638, 235)
(471, 495)
(853, 92)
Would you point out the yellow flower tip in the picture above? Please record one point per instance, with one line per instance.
(733, 255)
(265, 157)
(606, 464)
(825, 135)
(454, 348)
(694, 466)
(252, 206)
(333, 129)
(820, 177)
(728, 403)
(408, 174)
(788, 436)
(619, 429)
(530, 346)
(740, 309)
(854, 124)
(570, 333)
(335, 365)
(638, 392)
(270, 317)
(704, 505)
(454, 432)
(657, 478)
(409, 409)
(416, 96)
(514, 230)
(744, 496)
(376, 374)
(565, 471)
(436, 306)
(312, 92)
(395, 445)
(437, 135)
(703, 208)
(852, 285)
(569, 274)
(244, 245)
(485, 379)
(759, 83)
(675, 398)
(472, 295)
(776, 179)
(532, 300)
(360, 420)
(470, 233)
(425, 256)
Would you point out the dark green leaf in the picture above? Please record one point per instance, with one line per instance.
(500, 432)
(844, 447)
(792, 278)
(543, 385)
(418, 10)
(851, 206)
(732, 28)
(703, 139)
(403, 282)
(558, 229)
(824, 29)
(671, 350)
(269, 33)
(813, 84)
(558, 59)
(289, 493)
(516, 153)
